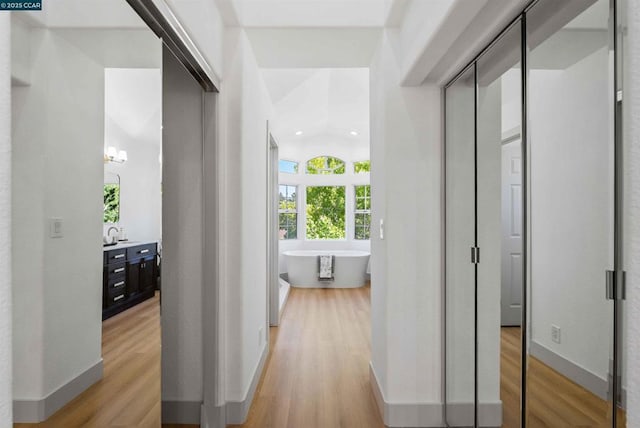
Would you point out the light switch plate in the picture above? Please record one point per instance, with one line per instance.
(55, 228)
(381, 229)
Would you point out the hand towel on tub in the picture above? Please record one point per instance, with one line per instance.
(326, 268)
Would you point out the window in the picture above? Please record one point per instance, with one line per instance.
(361, 167)
(363, 212)
(326, 212)
(288, 212)
(325, 165)
(287, 166)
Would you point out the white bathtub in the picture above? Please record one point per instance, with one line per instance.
(350, 270)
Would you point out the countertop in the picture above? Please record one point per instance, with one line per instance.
(125, 244)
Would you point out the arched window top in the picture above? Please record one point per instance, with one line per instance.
(325, 165)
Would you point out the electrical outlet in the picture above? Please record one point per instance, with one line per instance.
(555, 334)
(260, 331)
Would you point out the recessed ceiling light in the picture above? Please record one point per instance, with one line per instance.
(298, 133)
(354, 133)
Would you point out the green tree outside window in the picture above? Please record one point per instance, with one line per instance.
(326, 212)
(325, 165)
(111, 203)
(361, 167)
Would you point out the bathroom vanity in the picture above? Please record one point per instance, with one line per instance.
(130, 276)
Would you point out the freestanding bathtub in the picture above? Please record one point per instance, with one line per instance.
(350, 269)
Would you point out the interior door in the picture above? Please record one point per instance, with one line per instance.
(511, 275)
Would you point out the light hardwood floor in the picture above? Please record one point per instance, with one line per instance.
(129, 393)
(553, 401)
(317, 375)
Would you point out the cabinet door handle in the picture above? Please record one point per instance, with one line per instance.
(118, 298)
(118, 270)
(119, 256)
(118, 284)
(144, 251)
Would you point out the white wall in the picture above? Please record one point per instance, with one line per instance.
(245, 107)
(5, 225)
(20, 52)
(58, 172)
(133, 120)
(572, 232)
(406, 265)
(632, 189)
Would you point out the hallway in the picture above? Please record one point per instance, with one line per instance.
(317, 374)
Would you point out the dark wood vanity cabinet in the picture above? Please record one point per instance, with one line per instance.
(130, 277)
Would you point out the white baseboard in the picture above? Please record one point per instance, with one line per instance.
(462, 414)
(405, 415)
(237, 411)
(583, 377)
(34, 411)
(181, 412)
(283, 299)
(423, 415)
(217, 419)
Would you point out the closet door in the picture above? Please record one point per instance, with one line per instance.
(572, 163)
(460, 293)
(500, 219)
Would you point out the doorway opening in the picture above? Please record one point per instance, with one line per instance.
(86, 210)
(320, 210)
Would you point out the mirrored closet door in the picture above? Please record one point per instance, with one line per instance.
(460, 294)
(500, 234)
(534, 279)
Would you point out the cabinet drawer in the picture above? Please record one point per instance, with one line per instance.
(141, 251)
(115, 256)
(116, 299)
(116, 270)
(116, 286)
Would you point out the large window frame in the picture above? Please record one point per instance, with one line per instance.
(288, 214)
(362, 211)
(344, 212)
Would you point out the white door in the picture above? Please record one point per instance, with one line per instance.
(511, 276)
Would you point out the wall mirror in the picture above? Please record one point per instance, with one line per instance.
(111, 194)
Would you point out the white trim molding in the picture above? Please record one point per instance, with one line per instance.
(237, 411)
(413, 415)
(38, 410)
(405, 415)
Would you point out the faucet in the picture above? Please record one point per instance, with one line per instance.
(115, 238)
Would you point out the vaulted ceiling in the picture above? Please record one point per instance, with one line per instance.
(320, 102)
